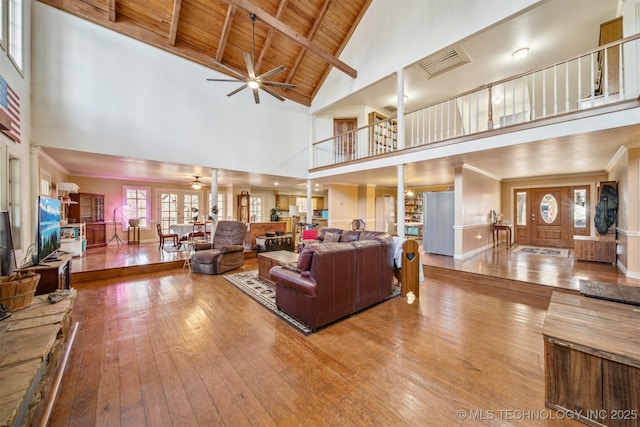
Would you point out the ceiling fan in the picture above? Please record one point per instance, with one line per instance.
(252, 81)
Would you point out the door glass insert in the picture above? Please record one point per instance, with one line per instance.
(521, 202)
(580, 208)
(548, 208)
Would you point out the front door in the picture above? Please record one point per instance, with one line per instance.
(551, 216)
(547, 217)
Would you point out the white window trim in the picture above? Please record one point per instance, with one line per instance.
(125, 188)
(17, 58)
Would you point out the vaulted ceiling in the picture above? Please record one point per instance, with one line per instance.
(306, 36)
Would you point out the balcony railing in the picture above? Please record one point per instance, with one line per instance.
(589, 80)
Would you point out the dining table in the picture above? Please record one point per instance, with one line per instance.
(181, 230)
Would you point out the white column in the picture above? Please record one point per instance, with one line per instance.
(214, 201)
(400, 218)
(401, 145)
(309, 203)
(400, 110)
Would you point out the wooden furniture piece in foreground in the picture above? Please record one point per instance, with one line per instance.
(267, 260)
(592, 360)
(497, 228)
(410, 269)
(53, 275)
(599, 249)
(32, 342)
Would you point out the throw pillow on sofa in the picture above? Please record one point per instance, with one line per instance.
(304, 260)
(332, 237)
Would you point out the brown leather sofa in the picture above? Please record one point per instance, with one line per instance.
(335, 279)
(226, 253)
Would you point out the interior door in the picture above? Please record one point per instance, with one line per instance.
(547, 215)
(345, 145)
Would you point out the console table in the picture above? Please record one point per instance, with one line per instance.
(497, 228)
(592, 359)
(53, 275)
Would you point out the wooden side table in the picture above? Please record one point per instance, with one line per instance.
(133, 235)
(497, 228)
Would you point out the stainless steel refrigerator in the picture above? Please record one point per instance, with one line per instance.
(439, 216)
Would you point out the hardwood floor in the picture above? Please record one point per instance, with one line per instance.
(184, 349)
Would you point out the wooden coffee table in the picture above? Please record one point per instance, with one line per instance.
(267, 260)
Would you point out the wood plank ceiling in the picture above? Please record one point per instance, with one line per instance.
(306, 36)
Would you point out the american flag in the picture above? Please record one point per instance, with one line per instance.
(10, 106)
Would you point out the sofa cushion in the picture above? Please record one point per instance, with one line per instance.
(304, 260)
(206, 256)
(331, 237)
(350, 236)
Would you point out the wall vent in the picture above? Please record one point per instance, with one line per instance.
(444, 60)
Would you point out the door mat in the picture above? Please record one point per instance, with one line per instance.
(537, 250)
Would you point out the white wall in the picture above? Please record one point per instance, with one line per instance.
(96, 90)
(379, 46)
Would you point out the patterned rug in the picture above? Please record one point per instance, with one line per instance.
(536, 250)
(249, 283)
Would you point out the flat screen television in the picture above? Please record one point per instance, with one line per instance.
(47, 230)
(7, 255)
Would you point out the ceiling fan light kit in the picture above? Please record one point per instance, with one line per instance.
(196, 184)
(251, 80)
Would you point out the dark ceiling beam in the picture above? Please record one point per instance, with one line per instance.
(112, 10)
(224, 34)
(294, 36)
(342, 46)
(269, 38)
(175, 18)
(310, 36)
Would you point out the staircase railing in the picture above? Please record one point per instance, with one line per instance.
(591, 79)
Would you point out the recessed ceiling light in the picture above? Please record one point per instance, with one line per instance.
(497, 100)
(520, 53)
(276, 183)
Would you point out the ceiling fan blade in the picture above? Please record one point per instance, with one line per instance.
(229, 69)
(282, 85)
(272, 72)
(225, 80)
(237, 90)
(250, 70)
(256, 96)
(272, 93)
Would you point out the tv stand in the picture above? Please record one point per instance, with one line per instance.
(55, 274)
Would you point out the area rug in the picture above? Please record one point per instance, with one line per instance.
(536, 250)
(171, 249)
(249, 283)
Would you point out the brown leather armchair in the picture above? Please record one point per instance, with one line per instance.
(226, 253)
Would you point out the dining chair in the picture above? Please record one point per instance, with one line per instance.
(164, 236)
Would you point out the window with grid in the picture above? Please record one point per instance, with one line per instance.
(255, 209)
(16, 36)
(136, 200)
(220, 206)
(191, 207)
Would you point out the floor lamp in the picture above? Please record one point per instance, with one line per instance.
(115, 228)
